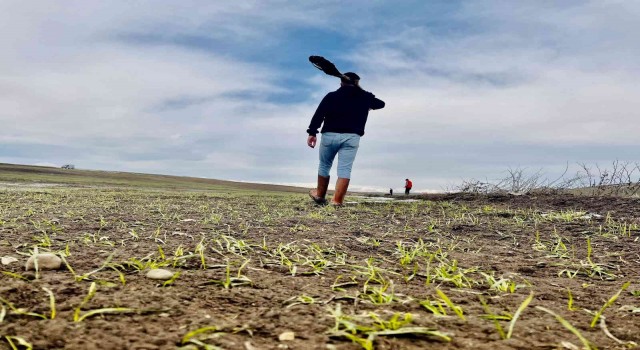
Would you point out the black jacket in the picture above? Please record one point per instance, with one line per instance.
(344, 111)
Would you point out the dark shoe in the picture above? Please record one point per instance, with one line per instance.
(317, 199)
(320, 192)
(341, 190)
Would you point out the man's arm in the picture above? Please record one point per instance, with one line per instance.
(318, 117)
(376, 103)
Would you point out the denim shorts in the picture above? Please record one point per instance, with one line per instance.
(343, 145)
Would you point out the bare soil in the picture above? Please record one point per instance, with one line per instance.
(303, 261)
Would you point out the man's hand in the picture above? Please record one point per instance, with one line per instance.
(311, 141)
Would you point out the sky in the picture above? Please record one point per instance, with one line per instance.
(224, 89)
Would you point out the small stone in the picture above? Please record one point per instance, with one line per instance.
(285, 336)
(629, 308)
(6, 260)
(159, 274)
(46, 261)
(249, 346)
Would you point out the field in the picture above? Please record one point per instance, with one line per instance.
(264, 268)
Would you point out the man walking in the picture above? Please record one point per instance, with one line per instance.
(407, 186)
(343, 114)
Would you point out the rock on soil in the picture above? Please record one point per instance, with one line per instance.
(285, 336)
(6, 260)
(46, 261)
(159, 274)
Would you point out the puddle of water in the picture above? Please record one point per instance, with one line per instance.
(384, 199)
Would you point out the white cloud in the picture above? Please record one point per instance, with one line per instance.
(115, 87)
(526, 74)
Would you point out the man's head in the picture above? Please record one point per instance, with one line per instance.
(354, 79)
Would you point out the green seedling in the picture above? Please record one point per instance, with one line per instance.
(92, 291)
(570, 306)
(142, 264)
(435, 307)
(171, 280)
(371, 272)
(14, 275)
(79, 317)
(570, 274)
(516, 315)
(44, 240)
(302, 299)
(317, 266)
(409, 254)
(20, 341)
(117, 268)
(364, 329)
(189, 336)
(592, 269)
(449, 272)
(299, 228)
(538, 244)
(231, 245)
(428, 270)
(451, 305)
(495, 318)
(52, 302)
(501, 285)
(340, 286)
(613, 228)
(587, 344)
(178, 253)
(559, 249)
(239, 280)
(116, 310)
(608, 303)
(87, 275)
(414, 272)
(589, 251)
(18, 311)
(213, 219)
(200, 248)
(564, 215)
(378, 294)
(161, 252)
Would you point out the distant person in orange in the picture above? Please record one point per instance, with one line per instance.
(407, 186)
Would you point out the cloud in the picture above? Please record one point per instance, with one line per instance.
(223, 89)
(530, 77)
